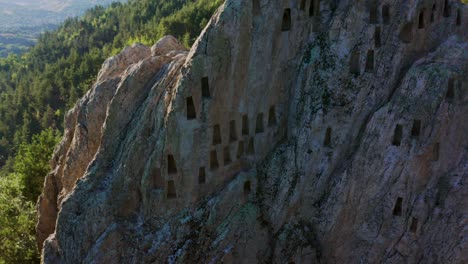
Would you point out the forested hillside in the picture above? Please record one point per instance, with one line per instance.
(37, 88)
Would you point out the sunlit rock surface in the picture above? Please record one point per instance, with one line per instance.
(292, 132)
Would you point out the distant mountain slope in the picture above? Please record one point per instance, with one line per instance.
(22, 21)
(29, 13)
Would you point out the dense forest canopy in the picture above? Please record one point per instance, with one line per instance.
(38, 87)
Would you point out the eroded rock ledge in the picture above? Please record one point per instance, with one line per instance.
(292, 132)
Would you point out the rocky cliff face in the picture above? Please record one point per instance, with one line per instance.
(292, 132)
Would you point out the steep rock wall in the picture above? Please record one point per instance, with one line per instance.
(293, 131)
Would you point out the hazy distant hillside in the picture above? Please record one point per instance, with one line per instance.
(32, 13)
(21, 21)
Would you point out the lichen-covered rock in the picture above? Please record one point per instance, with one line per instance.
(292, 132)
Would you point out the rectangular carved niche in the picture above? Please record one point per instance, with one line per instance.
(373, 13)
(247, 187)
(256, 7)
(446, 9)
(240, 149)
(227, 156)
(245, 125)
(436, 151)
(398, 208)
(303, 4)
(416, 130)
(459, 15)
(433, 13)
(260, 126)
(171, 190)
(414, 225)
(327, 140)
(354, 61)
(191, 112)
(377, 37)
(217, 135)
(386, 14)
(171, 165)
(201, 175)
(370, 61)
(232, 131)
(272, 117)
(397, 135)
(205, 83)
(214, 160)
(421, 22)
(286, 24)
(250, 147)
(450, 90)
(314, 9)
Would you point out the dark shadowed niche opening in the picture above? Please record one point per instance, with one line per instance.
(214, 160)
(328, 135)
(303, 5)
(406, 33)
(446, 9)
(451, 90)
(286, 24)
(260, 126)
(256, 7)
(397, 135)
(370, 61)
(247, 187)
(436, 151)
(354, 67)
(245, 125)
(397, 209)
(314, 8)
(272, 117)
(171, 165)
(171, 190)
(232, 131)
(240, 149)
(386, 14)
(377, 38)
(250, 147)
(421, 23)
(201, 175)
(458, 23)
(191, 112)
(373, 12)
(433, 12)
(414, 225)
(416, 129)
(217, 135)
(205, 87)
(227, 156)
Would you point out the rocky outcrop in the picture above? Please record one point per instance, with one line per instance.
(292, 132)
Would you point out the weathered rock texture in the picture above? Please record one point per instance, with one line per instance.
(293, 132)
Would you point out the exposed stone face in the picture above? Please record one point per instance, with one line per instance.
(293, 131)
